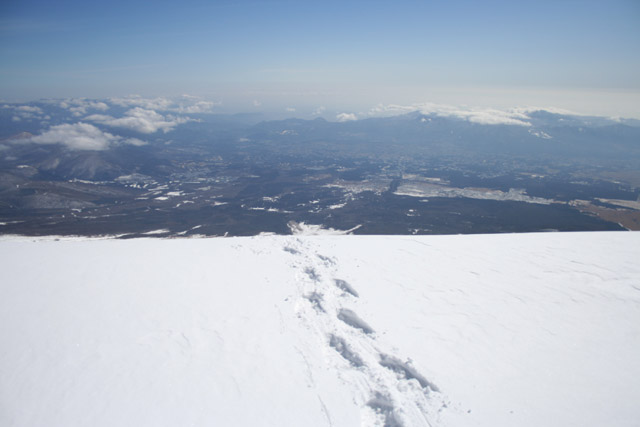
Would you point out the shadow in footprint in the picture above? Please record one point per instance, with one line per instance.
(383, 406)
(405, 370)
(312, 273)
(346, 287)
(341, 346)
(352, 319)
(326, 260)
(316, 301)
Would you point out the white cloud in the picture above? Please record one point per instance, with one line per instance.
(24, 112)
(553, 110)
(493, 117)
(141, 120)
(485, 116)
(78, 136)
(290, 109)
(392, 110)
(346, 117)
(82, 109)
(196, 107)
(319, 111)
(81, 136)
(78, 111)
(185, 104)
(30, 109)
(80, 106)
(159, 103)
(135, 141)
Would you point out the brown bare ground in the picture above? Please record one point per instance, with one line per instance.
(628, 218)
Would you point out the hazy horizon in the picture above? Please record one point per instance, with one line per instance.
(299, 57)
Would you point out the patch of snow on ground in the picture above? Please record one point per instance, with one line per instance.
(426, 189)
(302, 229)
(378, 186)
(159, 231)
(337, 206)
(631, 204)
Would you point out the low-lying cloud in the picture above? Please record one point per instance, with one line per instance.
(161, 104)
(186, 104)
(79, 106)
(346, 117)
(197, 107)
(140, 120)
(319, 111)
(81, 136)
(485, 116)
(24, 112)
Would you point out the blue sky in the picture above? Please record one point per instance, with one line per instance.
(343, 55)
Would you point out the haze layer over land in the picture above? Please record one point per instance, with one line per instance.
(344, 57)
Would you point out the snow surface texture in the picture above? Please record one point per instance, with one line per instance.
(480, 330)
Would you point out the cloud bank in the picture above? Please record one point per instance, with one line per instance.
(346, 117)
(24, 112)
(195, 107)
(186, 104)
(79, 106)
(161, 104)
(485, 116)
(140, 120)
(82, 136)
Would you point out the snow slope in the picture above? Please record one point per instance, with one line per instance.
(479, 330)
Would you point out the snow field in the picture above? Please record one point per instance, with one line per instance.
(480, 330)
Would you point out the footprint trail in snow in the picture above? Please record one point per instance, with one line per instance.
(387, 387)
